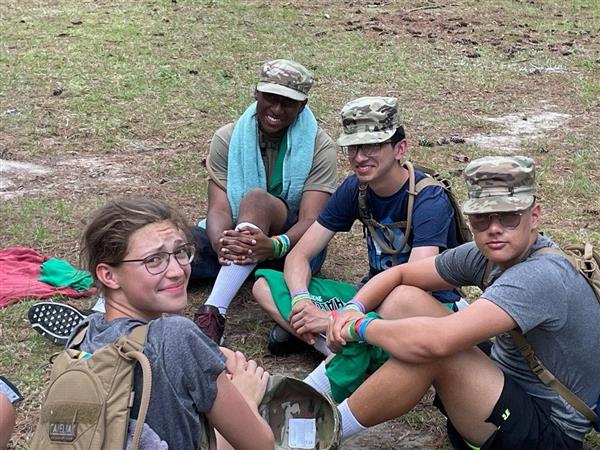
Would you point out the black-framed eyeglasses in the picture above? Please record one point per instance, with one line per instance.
(368, 150)
(508, 220)
(158, 262)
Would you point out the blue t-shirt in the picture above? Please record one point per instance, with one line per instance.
(432, 222)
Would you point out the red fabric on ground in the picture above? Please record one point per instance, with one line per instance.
(19, 272)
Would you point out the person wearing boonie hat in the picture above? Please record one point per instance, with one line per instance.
(374, 142)
(270, 173)
(495, 401)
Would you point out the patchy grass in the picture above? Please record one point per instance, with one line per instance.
(121, 98)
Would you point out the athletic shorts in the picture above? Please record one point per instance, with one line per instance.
(327, 294)
(523, 422)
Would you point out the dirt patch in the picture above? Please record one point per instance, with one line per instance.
(518, 128)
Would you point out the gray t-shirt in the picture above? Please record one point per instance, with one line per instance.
(557, 312)
(185, 365)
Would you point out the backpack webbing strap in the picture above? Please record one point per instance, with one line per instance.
(549, 379)
(367, 218)
(132, 347)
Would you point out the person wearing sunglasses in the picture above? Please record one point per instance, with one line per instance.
(374, 144)
(496, 401)
(139, 252)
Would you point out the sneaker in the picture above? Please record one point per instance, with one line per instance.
(283, 343)
(54, 321)
(211, 322)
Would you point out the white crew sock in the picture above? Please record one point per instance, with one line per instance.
(318, 379)
(350, 426)
(229, 280)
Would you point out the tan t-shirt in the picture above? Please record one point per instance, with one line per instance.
(321, 177)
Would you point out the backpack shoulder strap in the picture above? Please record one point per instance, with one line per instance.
(132, 347)
(78, 338)
(549, 379)
(427, 181)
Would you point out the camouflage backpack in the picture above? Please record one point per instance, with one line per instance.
(587, 262)
(463, 232)
(300, 416)
(89, 399)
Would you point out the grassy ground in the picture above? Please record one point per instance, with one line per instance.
(112, 98)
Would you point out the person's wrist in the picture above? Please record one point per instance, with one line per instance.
(302, 297)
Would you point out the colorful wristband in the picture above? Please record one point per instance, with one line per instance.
(358, 303)
(281, 245)
(351, 307)
(301, 298)
(300, 291)
(363, 328)
(352, 332)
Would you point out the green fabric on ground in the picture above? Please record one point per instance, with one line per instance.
(58, 272)
(349, 368)
(326, 294)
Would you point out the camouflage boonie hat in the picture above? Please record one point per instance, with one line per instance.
(369, 120)
(299, 415)
(286, 78)
(499, 184)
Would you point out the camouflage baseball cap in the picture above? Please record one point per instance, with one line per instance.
(299, 415)
(286, 78)
(499, 184)
(369, 120)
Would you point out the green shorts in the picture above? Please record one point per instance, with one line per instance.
(327, 294)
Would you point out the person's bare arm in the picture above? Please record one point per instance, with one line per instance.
(237, 419)
(296, 270)
(218, 217)
(311, 205)
(422, 339)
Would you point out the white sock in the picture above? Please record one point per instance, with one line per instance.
(229, 280)
(321, 346)
(350, 426)
(318, 379)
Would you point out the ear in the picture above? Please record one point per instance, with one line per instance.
(536, 213)
(106, 275)
(400, 149)
(302, 106)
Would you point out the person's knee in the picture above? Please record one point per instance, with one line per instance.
(253, 197)
(262, 294)
(403, 301)
(8, 417)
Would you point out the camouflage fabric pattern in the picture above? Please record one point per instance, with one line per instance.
(286, 78)
(287, 399)
(499, 184)
(369, 120)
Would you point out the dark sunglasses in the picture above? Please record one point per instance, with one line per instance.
(508, 220)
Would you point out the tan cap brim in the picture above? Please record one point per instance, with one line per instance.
(278, 89)
(486, 205)
(365, 137)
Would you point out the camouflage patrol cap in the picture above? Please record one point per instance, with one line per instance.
(499, 184)
(286, 78)
(299, 415)
(369, 120)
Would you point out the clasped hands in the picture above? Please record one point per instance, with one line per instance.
(244, 246)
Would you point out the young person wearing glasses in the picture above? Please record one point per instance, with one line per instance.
(493, 402)
(139, 253)
(374, 142)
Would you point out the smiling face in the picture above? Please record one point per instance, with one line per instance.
(131, 291)
(507, 247)
(377, 168)
(275, 113)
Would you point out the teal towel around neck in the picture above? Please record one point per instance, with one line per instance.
(246, 171)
